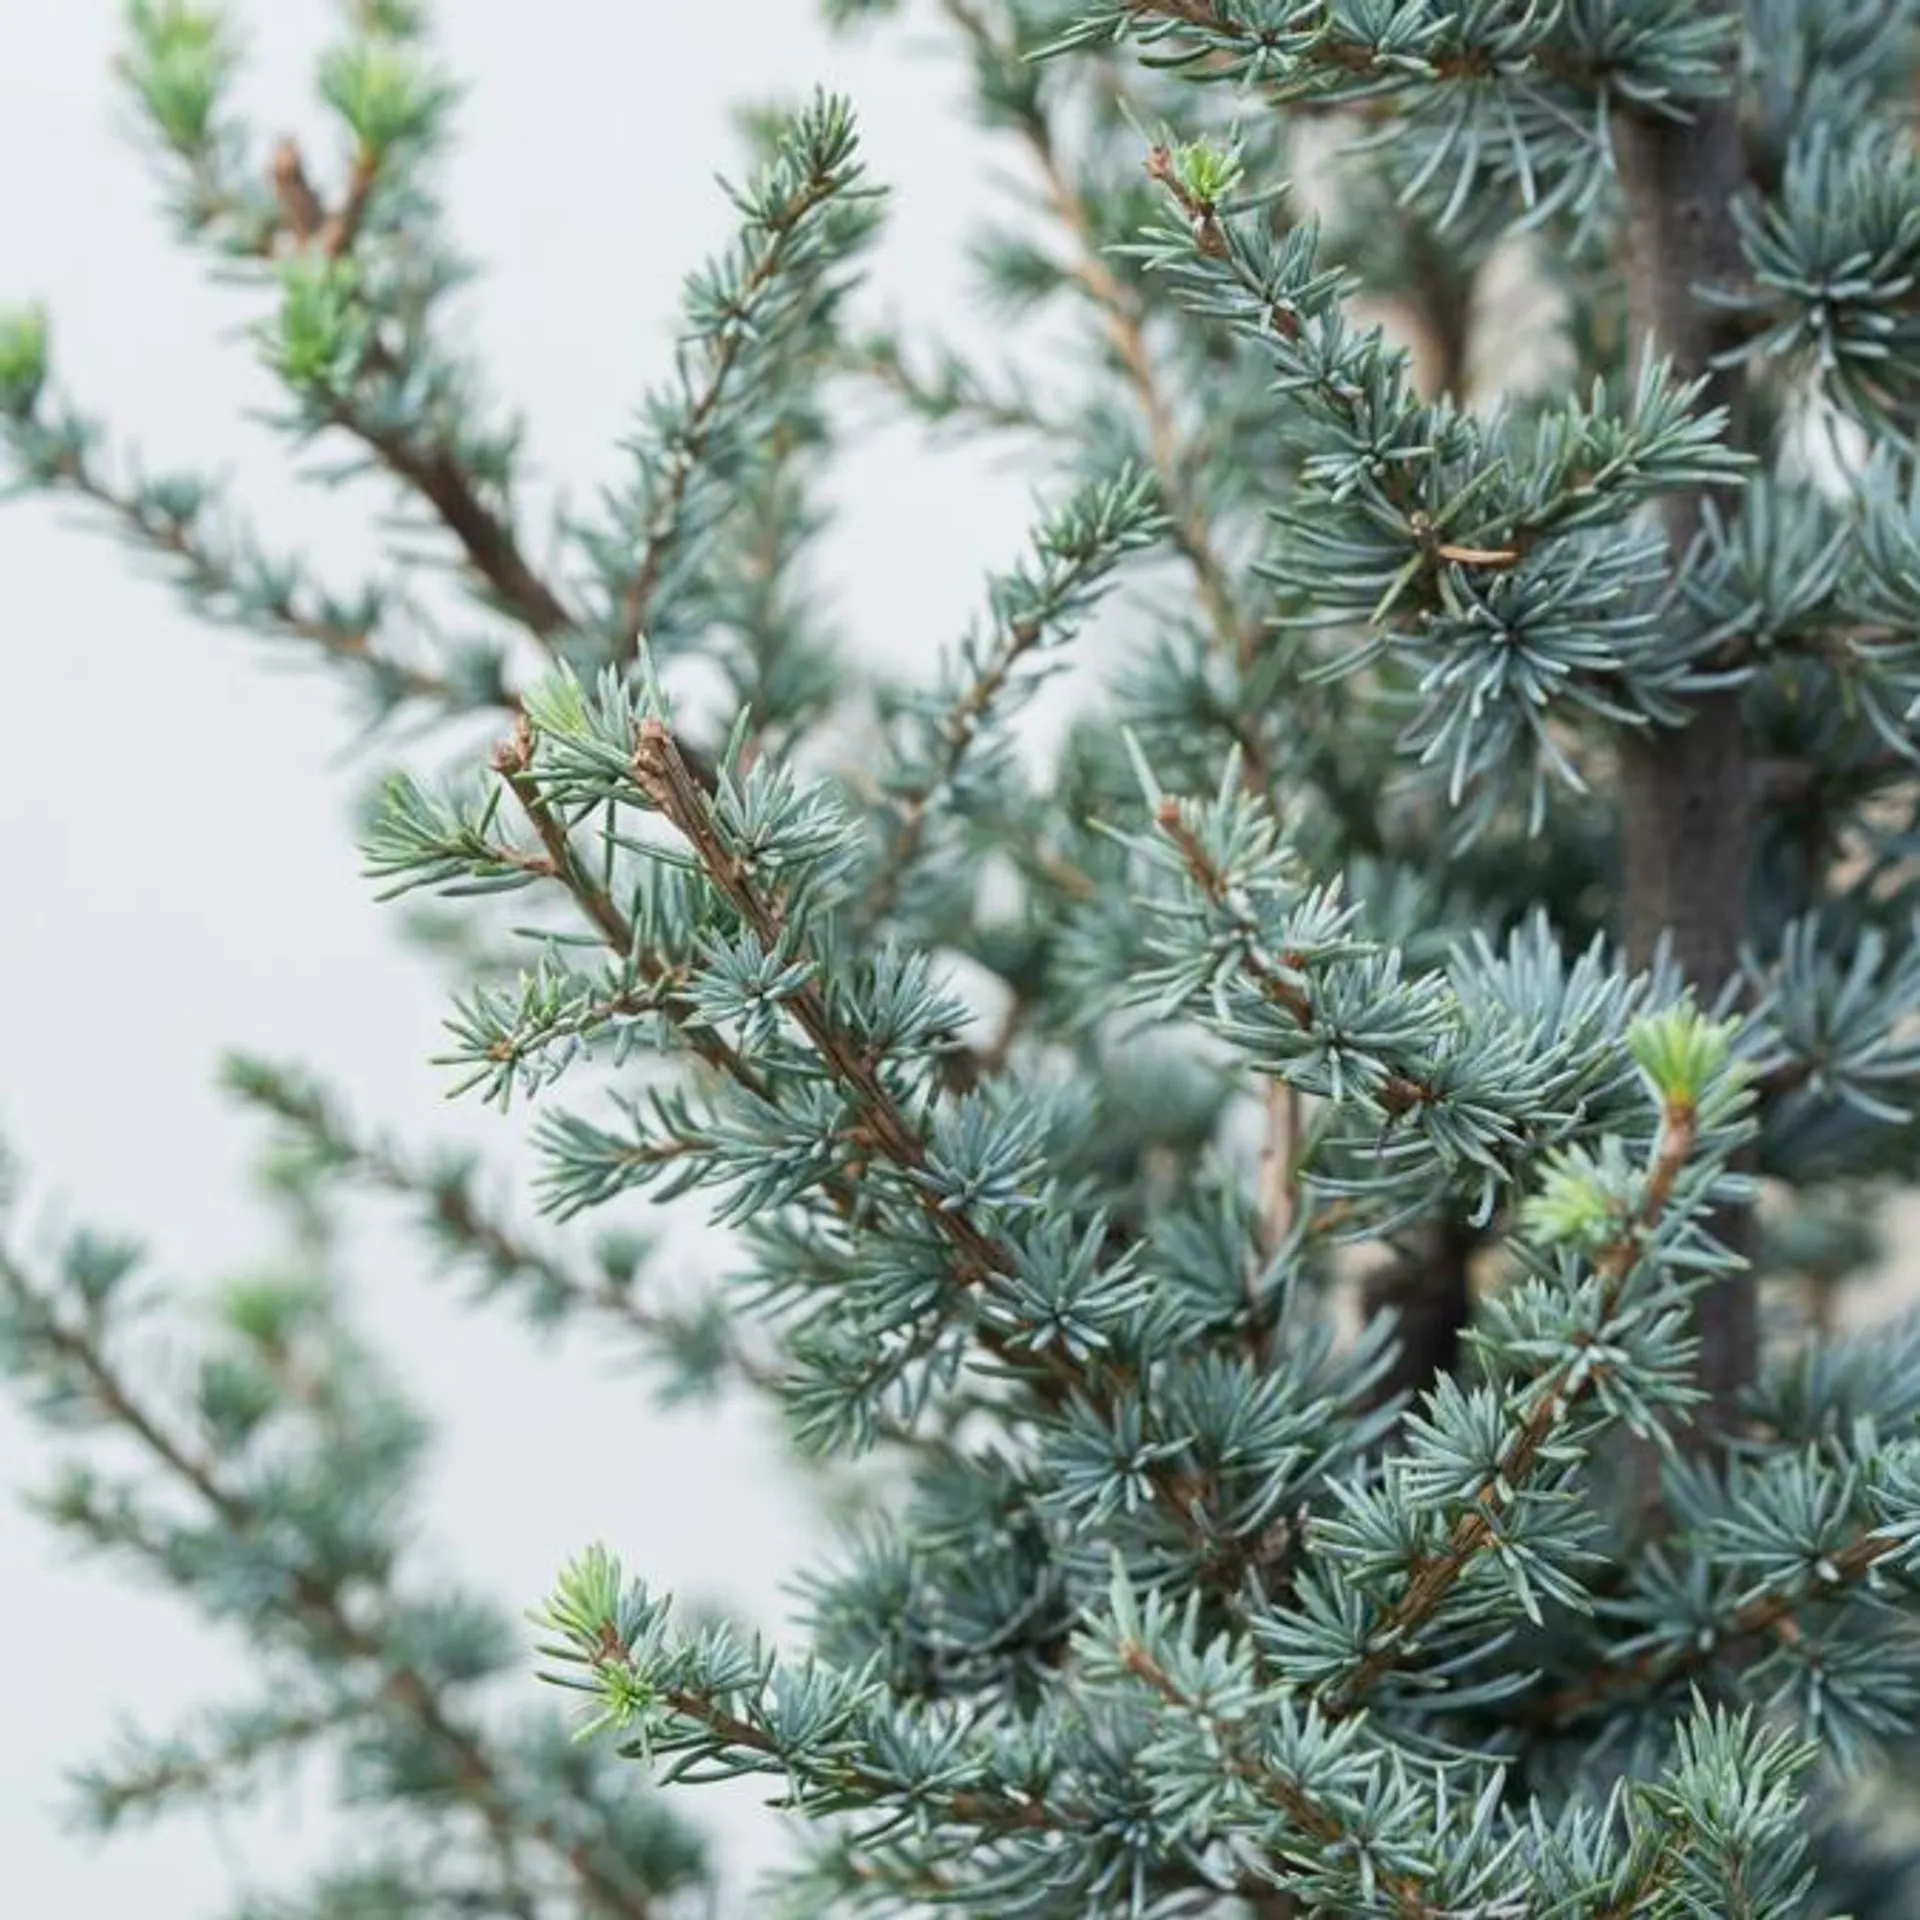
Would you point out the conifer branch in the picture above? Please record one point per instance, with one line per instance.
(742, 306)
(949, 393)
(211, 579)
(614, 1636)
(1279, 979)
(361, 362)
(1407, 1896)
(318, 1600)
(513, 762)
(1770, 1614)
(443, 1193)
(432, 468)
(1542, 1414)
(1167, 1602)
(1124, 324)
(1295, 53)
(981, 1257)
(661, 773)
(147, 1781)
(220, 570)
(1078, 549)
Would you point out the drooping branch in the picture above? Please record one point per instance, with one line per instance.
(324, 1609)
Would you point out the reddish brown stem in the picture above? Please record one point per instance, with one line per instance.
(1772, 1613)
(491, 547)
(1123, 323)
(1477, 1528)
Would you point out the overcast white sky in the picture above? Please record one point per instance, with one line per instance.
(182, 875)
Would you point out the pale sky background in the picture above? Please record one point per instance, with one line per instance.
(182, 878)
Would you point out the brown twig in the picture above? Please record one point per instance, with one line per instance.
(1123, 323)
(204, 1774)
(485, 536)
(660, 770)
(341, 227)
(1771, 1613)
(301, 213)
(1477, 1528)
(661, 773)
(513, 761)
(177, 540)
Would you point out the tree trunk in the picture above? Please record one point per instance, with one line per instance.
(1432, 1292)
(1686, 793)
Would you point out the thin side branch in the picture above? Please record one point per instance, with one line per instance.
(1553, 1394)
(1771, 1614)
(207, 573)
(1123, 324)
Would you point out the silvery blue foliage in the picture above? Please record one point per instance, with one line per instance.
(1061, 1101)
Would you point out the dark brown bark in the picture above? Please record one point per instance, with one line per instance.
(485, 537)
(1686, 793)
(1433, 1297)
